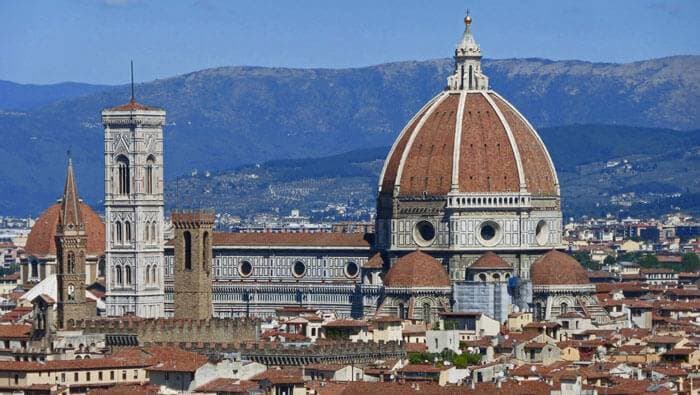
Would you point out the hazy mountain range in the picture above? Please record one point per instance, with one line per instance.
(602, 169)
(227, 117)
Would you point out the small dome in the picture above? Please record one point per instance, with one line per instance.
(489, 260)
(41, 241)
(417, 269)
(558, 268)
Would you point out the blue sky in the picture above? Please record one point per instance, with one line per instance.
(47, 41)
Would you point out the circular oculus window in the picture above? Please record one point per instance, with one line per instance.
(424, 233)
(489, 233)
(245, 269)
(351, 269)
(298, 269)
(542, 232)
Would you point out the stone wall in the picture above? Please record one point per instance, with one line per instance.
(297, 355)
(215, 330)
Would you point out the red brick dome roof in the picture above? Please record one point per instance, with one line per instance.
(558, 268)
(417, 269)
(41, 241)
(489, 260)
(468, 141)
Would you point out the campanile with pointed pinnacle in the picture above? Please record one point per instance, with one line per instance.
(71, 244)
(134, 209)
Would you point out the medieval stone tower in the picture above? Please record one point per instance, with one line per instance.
(134, 209)
(71, 244)
(193, 259)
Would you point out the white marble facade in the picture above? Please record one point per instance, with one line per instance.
(134, 210)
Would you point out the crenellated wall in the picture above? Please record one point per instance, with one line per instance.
(215, 330)
(296, 355)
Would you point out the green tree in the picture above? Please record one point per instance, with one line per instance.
(629, 257)
(585, 260)
(609, 260)
(465, 359)
(648, 261)
(690, 262)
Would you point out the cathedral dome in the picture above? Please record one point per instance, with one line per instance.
(41, 241)
(468, 141)
(417, 269)
(558, 268)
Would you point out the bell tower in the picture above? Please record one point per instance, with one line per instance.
(134, 209)
(193, 260)
(71, 243)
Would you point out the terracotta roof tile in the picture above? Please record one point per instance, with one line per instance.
(223, 385)
(343, 323)
(73, 364)
(280, 376)
(488, 161)
(558, 268)
(419, 368)
(15, 331)
(173, 359)
(131, 389)
(417, 269)
(490, 260)
(133, 105)
(385, 388)
(536, 165)
(428, 164)
(375, 262)
(41, 241)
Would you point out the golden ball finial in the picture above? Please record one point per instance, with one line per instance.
(467, 20)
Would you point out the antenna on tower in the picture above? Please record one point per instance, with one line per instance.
(132, 81)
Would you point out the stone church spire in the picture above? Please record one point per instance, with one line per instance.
(71, 245)
(467, 74)
(70, 203)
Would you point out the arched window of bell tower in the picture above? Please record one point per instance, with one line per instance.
(127, 231)
(123, 176)
(118, 231)
(150, 164)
